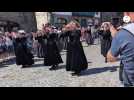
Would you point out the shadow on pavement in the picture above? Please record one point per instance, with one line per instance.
(36, 66)
(7, 62)
(3, 66)
(63, 54)
(99, 70)
(42, 65)
(89, 62)
(95, 44)
(62, 67)
(86, 46)
(38, 59)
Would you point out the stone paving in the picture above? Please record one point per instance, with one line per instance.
(99, 73)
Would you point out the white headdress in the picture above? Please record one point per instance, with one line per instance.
(21, 31)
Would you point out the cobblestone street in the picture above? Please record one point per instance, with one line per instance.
(99, 73)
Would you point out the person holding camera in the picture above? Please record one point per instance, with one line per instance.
(123, 45)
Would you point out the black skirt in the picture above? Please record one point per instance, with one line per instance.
(106, 40)
(40, 47)
(22, 53)
(52, 53)
(105, 46)
(40, 52)
(76, 59)
(52, 56)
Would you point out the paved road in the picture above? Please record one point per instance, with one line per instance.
(99, 74)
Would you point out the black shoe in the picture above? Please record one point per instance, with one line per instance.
(105, 60)
(26, 66)
(76, 74)
(55, 67)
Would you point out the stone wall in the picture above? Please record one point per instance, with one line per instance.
(26, 20)
(42, 18)
(106, 16)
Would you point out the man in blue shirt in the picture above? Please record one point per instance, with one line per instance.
(123, 45)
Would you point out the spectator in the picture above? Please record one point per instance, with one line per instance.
(123, 45)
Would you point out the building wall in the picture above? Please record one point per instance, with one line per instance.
(63, 13)
(53, 17)
(107, 16)
(87, 18)
(60, 15)
(56, 17)
(42, 18)
(26, 20)
(82, 17)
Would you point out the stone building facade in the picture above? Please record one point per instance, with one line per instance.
(107, 16)
(25, 20)
(31, 21)
(84, 18)
(60, 18)
(42, 18)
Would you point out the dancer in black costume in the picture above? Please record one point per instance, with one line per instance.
(40, 46)
(52, 55)
(76, 59)
(106, 39)
(23, 54)
(89, 37)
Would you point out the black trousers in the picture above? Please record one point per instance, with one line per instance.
(121, 72)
